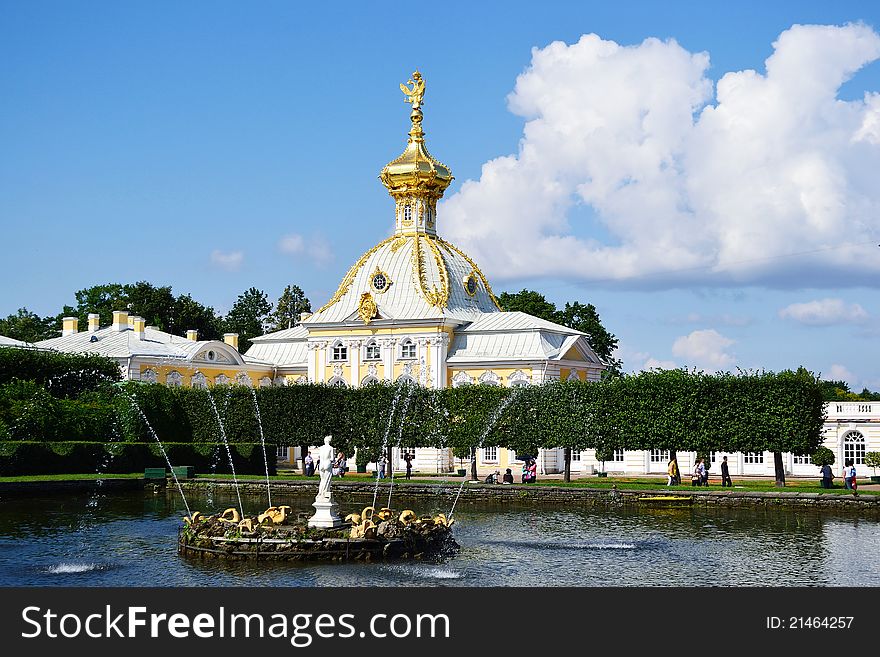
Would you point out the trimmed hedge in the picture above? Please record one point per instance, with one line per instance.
(63, 375)
(29, 458)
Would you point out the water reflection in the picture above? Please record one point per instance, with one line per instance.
(130, 539)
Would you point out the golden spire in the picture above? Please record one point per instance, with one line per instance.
(415, 179)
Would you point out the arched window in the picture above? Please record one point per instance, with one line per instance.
(407, 379)
(174, 379)
(518, 379)
(407, 349)
(372, 351)
(369, 380)
(280, 380)
(461, 379)
(265, 382)
(198, 380)
(243, 379)
(340, 351)
(149, 376)
(490, 379)
(337, 381)
(221, 380)
(854, 447)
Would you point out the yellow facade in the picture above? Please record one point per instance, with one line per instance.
(211, 373)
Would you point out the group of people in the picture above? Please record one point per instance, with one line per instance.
(849, 476)
(382, 465)
(700, 475)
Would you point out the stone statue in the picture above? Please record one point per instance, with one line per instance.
(325, 467)
(326, 510)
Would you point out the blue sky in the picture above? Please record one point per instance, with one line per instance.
(216, 146)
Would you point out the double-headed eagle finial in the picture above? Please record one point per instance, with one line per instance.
(417, 93)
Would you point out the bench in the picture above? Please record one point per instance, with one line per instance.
(184, 471)
(154, 473)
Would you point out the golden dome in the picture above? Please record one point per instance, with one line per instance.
(416, 173)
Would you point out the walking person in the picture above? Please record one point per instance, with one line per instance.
(671, 471)
(847, 482)
(725, 474)
(309, 463)
(381, 465)
(852, 478)
(533, 471)
(704, 473)
(827, 476)
(408, 458)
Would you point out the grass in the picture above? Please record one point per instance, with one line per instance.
(70, 477)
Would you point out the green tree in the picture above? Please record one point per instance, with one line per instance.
(154, 304)
(249, 316)
(530, 302)
(190, 314)
(292, 302)
(29, 327)
(575, 315)
(585, 318)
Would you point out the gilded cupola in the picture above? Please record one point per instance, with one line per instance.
(415, 179)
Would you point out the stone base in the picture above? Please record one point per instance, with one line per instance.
(326, 514)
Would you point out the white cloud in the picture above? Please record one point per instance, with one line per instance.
(316, 248)
(291, 244)
(637, 361)
(680, 184)
(840, 373)
(705, 348)
(724, 319)
(824, 312)
(230, 261)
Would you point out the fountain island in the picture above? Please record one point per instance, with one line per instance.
(280, 534)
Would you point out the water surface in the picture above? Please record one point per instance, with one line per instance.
(129, 539)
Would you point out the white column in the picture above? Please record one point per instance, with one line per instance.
(312, 372)
(439, 349)
(354, 360)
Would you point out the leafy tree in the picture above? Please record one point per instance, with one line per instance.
(585, 318)
(822, 456)
(530, 302)
(574, 315)
(872, 460)
(249, 316)
(29, 327)
(292, 302)
(190, 314)
(154, 304)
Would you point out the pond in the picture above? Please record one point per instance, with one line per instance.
(129, 539)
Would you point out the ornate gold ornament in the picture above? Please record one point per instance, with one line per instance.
(380, 281)
(417, 93)
(367, 308)
(471, 284)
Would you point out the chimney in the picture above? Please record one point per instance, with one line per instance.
(94, 322)
(137, 324)
(231, 339)
(120, 320)
(304, 316)
(69, 325)
(192, 334)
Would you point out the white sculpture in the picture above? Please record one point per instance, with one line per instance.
(326, 510)
(325, 467)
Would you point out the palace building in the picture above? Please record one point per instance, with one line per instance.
(416, 308)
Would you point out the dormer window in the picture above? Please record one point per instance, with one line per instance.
(340, 351)
(408, 349)
(372, 351)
